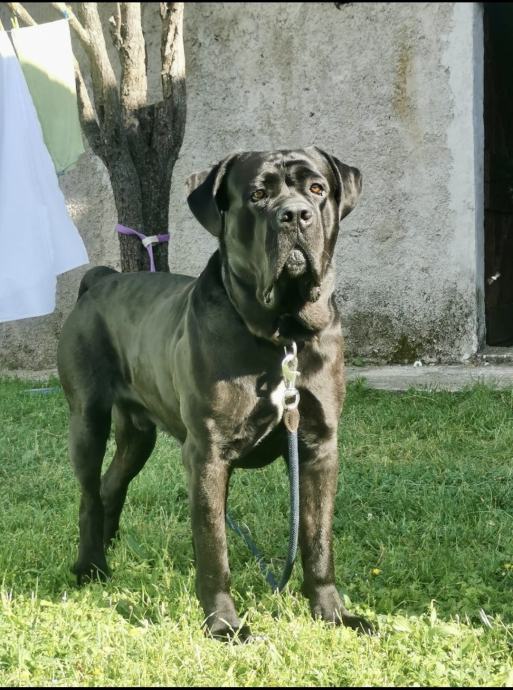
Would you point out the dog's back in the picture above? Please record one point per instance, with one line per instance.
(92, 276)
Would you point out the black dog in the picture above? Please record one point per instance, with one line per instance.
(201, 359)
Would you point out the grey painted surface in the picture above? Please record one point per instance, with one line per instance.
(392, 88)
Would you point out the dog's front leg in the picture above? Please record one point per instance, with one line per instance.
(318, 475)
(208, 485)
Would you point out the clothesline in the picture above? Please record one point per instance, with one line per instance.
(65, 15)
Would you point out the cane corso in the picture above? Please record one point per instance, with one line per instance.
(200, 358)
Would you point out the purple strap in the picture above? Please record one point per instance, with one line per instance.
(147, 240)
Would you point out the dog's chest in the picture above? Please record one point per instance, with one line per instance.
(277, 399)
(248, 414)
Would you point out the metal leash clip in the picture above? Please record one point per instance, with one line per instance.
(290, 373)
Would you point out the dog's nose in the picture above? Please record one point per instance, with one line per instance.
(295, 214)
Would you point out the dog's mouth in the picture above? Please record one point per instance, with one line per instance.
(293, 327)
(296, 280)
(297, 263)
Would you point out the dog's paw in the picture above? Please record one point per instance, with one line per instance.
(225, 632)
(361, 625)
(224, 625)
(327, 605)
(110, 539)
(90, 572)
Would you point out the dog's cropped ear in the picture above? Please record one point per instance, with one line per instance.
(349, 181)
(203, 190)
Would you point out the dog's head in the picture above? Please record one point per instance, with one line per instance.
(277, 216)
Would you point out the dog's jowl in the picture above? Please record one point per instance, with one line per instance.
(200, 358)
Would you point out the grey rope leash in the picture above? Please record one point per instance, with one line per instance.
(291, 421)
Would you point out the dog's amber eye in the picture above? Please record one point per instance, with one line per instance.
(258, 194)
(317, 188)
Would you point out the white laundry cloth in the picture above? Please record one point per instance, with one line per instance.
(38, 239)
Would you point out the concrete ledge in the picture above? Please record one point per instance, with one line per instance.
(27, 374)
(439, 377)
(391, 378)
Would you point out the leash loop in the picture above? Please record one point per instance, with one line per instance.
(147, 241)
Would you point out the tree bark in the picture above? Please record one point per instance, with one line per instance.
(138, 142)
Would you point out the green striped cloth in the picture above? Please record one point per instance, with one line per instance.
(46, 58)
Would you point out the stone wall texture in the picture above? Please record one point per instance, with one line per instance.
(394, 89)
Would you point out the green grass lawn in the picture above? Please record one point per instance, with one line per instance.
(423, 547)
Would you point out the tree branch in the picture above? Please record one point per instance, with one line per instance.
(172, 51)
(115, 27)
(105, 88)
(134, 85)
(19, 11)
(73, 21)
(171, 113)
(87, 115)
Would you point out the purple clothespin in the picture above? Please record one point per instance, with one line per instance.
(147, 240)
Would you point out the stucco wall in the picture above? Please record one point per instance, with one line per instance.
(394, 89)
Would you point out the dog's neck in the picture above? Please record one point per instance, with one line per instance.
(279, 325)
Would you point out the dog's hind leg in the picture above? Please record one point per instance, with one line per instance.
(134, 445)
(89, 431)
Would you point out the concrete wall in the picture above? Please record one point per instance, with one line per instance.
(394, 89)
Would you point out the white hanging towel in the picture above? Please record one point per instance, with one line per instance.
(38, 239)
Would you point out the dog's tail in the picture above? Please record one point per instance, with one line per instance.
(92, 276)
